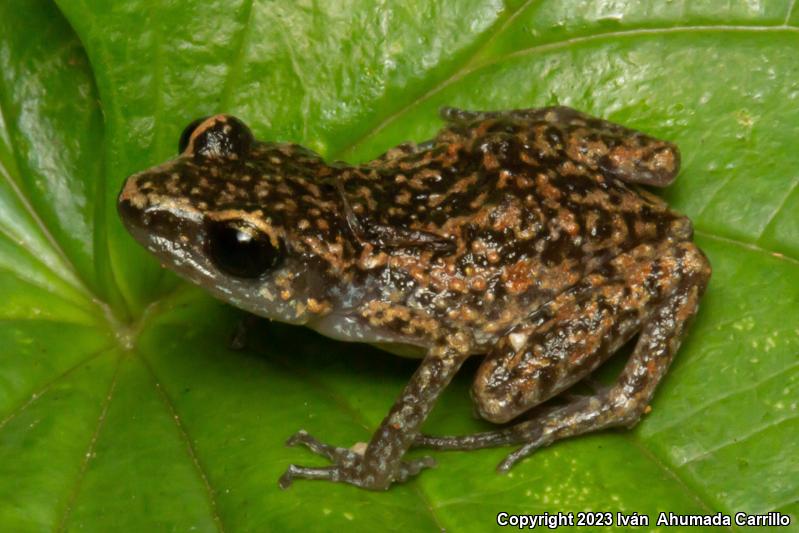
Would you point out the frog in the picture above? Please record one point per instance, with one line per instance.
(525, 237)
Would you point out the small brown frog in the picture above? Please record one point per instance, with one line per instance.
(516, 235)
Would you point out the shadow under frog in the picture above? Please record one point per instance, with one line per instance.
(518, 235)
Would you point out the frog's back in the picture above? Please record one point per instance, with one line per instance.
(512, 194)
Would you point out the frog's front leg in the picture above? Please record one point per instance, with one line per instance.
(381, 462)
(661, 293)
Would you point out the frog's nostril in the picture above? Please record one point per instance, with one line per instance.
(129, 213)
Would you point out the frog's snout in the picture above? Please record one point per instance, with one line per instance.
(127, 211)
(131, 201)
(131, 213)
(133, 205)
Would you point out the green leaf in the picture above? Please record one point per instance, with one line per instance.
(121, 406)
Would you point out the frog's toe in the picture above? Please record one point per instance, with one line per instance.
(318, 447)
(329, 473)
(542, 440)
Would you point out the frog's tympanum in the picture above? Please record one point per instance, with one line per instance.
(521, 236)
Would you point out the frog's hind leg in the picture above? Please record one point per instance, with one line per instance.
(567, 338)
(683, 276)
(619, 152)
(611, 149)
(455, 115)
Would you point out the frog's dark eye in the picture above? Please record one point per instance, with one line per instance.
(221, 136)
(186, 135)
(240, 250)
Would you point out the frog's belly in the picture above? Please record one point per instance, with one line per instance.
(352, 329)
(403, 350)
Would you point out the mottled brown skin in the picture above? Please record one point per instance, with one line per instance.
(513, 234)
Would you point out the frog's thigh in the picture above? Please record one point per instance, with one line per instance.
(625, 401)
(572, 335)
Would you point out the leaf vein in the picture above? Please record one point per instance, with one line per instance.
(87, 457)
(789, 13)
(111, 115)
(701, 407)
(30, 280)
(672, 473)
(184, 436)
(791, 189)
(43, 389)
(749, 246)
(737, 439)
(338, 400)
(464, 66)
(75, 281)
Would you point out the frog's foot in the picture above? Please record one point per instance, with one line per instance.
(349, 466)
(380, 463)
(354, 474)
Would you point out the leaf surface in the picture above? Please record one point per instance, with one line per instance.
(121, 406)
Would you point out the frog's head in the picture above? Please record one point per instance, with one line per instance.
(227, 214)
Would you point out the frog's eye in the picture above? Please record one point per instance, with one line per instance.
(221, 136)
(240, 250)
(186, 135)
